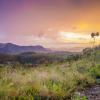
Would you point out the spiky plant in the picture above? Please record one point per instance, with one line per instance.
(97, 34)
(94, 35)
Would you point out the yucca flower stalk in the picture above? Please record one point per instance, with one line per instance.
(94, 35)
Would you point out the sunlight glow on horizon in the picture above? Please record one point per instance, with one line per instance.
(74, 35)
(79, 39)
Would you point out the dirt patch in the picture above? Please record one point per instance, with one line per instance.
(91, 93)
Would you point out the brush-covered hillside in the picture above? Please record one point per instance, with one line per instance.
(50, 81)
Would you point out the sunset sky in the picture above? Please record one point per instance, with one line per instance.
(56, 24)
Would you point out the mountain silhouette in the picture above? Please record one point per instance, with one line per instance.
(10, 48)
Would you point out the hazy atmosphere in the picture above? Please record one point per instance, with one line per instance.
(49, 49)
(64, 23)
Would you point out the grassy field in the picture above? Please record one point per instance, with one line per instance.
(56, 81)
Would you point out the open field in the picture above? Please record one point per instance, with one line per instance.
(56, 80)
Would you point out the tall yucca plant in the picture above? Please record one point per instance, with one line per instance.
(94, 35)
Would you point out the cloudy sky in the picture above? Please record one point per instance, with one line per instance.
(56, 24)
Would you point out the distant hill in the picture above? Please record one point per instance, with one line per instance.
(12, 53)
(9, 48)
(33, 58)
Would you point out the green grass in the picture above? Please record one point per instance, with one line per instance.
(57, 81)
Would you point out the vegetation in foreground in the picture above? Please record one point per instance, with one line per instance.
(57, 80)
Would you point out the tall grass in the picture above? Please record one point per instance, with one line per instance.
(57, 81)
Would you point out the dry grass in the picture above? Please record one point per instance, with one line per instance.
(55, 80)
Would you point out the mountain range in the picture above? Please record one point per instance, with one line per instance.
(10, 48)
